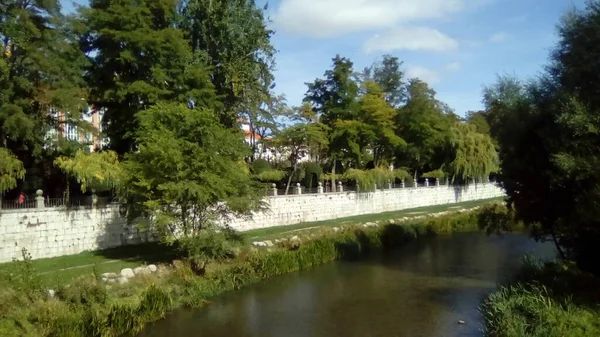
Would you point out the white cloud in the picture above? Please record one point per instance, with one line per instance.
(425, 74)
(410, 38)
(330, 18)
(454, 66)
(499, 37)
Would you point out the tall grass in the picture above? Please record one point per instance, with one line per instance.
(551, 299)
(89, 308)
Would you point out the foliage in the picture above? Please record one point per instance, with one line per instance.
(231, 36)
(208, 246)
(188, 171)
(334, 99)
(312, 169)
(138, 57)
(367, 180)
(260, 165)
(11, 169)
(474, 154)
(424, 125)
(271, 176)
(549, 145)
(435, 174)
(40, 70)
(390, 78)
(552, 299)
(98, 170)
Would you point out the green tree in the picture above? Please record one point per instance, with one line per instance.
(11, 170)
(388, 74)
(473, 154)
(138, 57)
(379, 117)
(40, 73)
(232, 37)
(424, 124)
(335, 102)
(188, 172)
(549, 142)
(96, 171)
(303, 138)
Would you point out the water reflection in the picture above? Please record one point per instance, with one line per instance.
(420, 290)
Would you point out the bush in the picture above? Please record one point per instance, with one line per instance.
(207, 246)
(260, 165)
(310, 171)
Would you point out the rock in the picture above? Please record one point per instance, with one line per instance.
(127, 273)
(109, 275)
(105, 279)
(277, 241)
(335, 229)
(152, 268)
(122, 280)
(392, 221)
(259, 244)
(141, 270)
(268, 243)
(295, 238)
(51, 293)
(370, 224)
(111, 280)
(461, 322)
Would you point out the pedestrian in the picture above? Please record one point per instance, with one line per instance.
(21, 198)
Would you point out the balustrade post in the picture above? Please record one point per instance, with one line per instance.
(39, 199)
(274, 189)
(340, 187)
(320, 188)
(298, 188)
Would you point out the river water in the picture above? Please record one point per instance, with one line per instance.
(421, 290)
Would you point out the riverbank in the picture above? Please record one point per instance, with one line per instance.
(89, 307)
(549, 299)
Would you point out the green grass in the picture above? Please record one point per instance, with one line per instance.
(552, 299)
(309, 227)
(60, 270)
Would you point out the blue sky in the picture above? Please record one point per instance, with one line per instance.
(457, 46)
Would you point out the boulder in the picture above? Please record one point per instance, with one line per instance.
(122, 280)
(152, 268)
(127, 273)
(51, 293)
(335, 229)
(141, 270)
(109, 275)
(269, 243)
(259, 244)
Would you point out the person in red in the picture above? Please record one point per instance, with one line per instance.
(21, 198)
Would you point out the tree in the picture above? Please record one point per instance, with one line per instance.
(11, 169)
(335, 102)
(138, 58)
(40, 74)
(379, 117)
(96, 171)
(550, 146)
(188, 173)
(232, 37)
(473, 154)
(300, 139)
(424, 124)
(388, 75)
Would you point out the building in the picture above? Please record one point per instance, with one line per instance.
(69, 131)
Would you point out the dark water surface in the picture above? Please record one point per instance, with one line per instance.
(421, 290)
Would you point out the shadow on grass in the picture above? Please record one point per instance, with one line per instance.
(145, 253)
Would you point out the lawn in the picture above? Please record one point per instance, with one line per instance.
(60, 270)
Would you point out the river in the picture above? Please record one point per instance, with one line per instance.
(421, 290)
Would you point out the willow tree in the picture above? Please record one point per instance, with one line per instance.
(96, 171)
(11, 170)
(473, 154)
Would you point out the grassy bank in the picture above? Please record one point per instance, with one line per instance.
(64, 269)
(552, 299)
(88, 307)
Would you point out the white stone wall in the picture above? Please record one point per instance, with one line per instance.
(57, 231)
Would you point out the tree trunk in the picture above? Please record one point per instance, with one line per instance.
(287, 187)
(560, 251)
(333, 187)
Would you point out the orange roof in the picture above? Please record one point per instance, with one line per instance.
(249, 134)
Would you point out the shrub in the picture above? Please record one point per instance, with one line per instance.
(260, 165)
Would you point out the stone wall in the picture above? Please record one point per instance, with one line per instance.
(51, 232)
